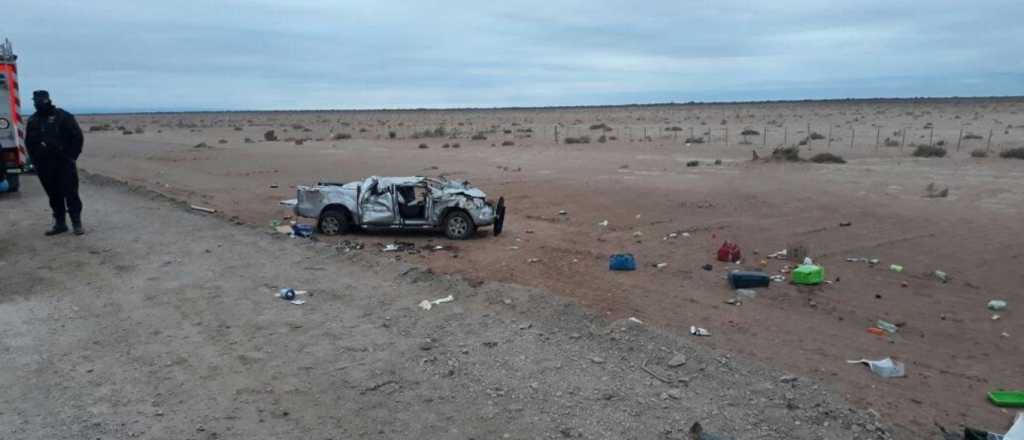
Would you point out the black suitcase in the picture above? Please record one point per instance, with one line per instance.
(747, 280)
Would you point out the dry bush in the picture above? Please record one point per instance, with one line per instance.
(507, 143)
(222, 141)
(693, 163)
(392, 135)
(446, 146)
(270, 136)
(929, 151)
(750, 132)
(341, 136)
(456, 145)
(578, 140)
(300, 141)
(827, 158)
(695, 140)
(479, 137)
(127, 132)
(424, 146)
(979, 153)
(237, 128)
(602, 139)
(891, 142)
(787, 154)
(249, 141)
(1013, 153)
(103, 127)
(932, 191)
(674, 128)
(815, 136)
(201, 145)
(969, 136)
(602, 126)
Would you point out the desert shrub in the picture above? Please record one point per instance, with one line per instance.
(578, 140)
(891, 142)
(249, 140)
(237, 128)
(270, 136)
(456, 145)
(929, 151)
(602, 126)
(718, 161)
(506, 131)
(507, 144)
(979, 153)
(750, 132)
(201, 145)
(341, 136)
(127, 132)
(104, 127)
(973, 136)
(602, 139)
(1013, 153)
(816, 136)
(446, 146)
(437, 132)
(363, 130)
(479, 137)
(612, 138)
(140, 129)
(222, 141)
(695, 140)
(788, 154)
(941, 142)
(392, 135)
(300, 141)
(693, 163)
(297, 127)
(424, 146)
(674, 128)
(932, 191)
(827, 158)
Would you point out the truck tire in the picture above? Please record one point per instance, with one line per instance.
(14, 180)
(334, 222)
(458, 226)
(499, 217)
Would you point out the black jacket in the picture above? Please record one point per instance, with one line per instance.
(53, 134)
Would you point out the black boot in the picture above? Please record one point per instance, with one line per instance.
(60, 226)
(76, 225)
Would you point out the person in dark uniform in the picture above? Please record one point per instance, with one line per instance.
(54, 142)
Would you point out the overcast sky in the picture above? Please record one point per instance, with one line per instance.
(120, 55)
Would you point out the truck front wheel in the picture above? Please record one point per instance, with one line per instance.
(335, 222)
(458, 226)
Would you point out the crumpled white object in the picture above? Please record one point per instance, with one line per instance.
(808, 261)
(427, 304)
(697, 331)
(1016, 431)
(883, 367)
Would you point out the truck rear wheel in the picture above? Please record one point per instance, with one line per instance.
(14, 180)
(334, 222)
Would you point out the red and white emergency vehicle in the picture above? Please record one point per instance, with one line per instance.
(13, 156)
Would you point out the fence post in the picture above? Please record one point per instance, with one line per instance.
(959, 139)
(809, 140)
(853, 135)
(904, 140)
(988, 148)
(878, 136)
(830, 137)
(931, 136)
(691, 133)
(556, 134)
(726, 131)
(785, 135)
(764, 134)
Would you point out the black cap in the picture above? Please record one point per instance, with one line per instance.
(40, 94)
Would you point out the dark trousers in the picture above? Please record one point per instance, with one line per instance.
(59, 177)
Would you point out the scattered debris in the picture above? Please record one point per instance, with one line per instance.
(706, 267)
(780, 255)
(677, 361)
(661, 265)
(603, 223)
(746, 293)
(533, 260)
(284, 229)
(563, 212)
(203, 209)
(697, 331)
(303, 230)
(399, 246)
(428, 304)
(808, 274)
(887, 326)
(729, 253)
(942, 276)
(845, 224)
(644, 367)
(1007, 398)
(634, 320)
(747, 280)
(622, 262)
(896, 268)
(291, 203)
(883, 367)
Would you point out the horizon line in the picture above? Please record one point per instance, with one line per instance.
(570, 107)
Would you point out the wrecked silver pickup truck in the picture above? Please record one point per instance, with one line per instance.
(455, 207)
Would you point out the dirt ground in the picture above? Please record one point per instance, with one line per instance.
(162, 323)
(954, 348)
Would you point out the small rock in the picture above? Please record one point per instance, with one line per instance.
(788, 379)
(427, 345)
(675, 393)
(677, 361)
(597, 360)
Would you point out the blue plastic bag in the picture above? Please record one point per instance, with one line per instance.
(4, 186)
(622, 262)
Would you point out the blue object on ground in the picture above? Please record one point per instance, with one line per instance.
(4, 186)
(303, 230)
(622, 262)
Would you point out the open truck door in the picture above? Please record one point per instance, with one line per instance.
(14, 158)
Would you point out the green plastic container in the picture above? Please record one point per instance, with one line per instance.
(809, 274)
(1007, 398)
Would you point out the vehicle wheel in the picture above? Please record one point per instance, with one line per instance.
(334, 222)
(499, 216)
(458, 226)
(14, 180)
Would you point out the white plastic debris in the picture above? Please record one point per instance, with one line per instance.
(298, 302)
(697, 331)
(563, 212)
(635, 320)
(883, 367)
(603, 223)
(780, 254)
(289, 203)
(997, 305)
(638, 234)
(808, 261)
(686, 234)
(661, 265)
(391, 248)
(1016, 431)
(428, 304)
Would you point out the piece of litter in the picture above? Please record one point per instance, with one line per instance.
(887, 326)
(438, 248)
(673, 235)
(996, 317)
(808, 261)
(284, 229)
(289, 203)
(391, 248)
(533, 260)
(603, 223)
(746, 293)
(633, 319)
(513, 248)
(942, 276)
(428, 304)
(781, 255)
(697, 331)
(638, 234)
(883, 367)
(686, 234)
(298, 302)
(562, 212)
(896, 268)
(203, 209)
(996, 305)
(661, 265)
